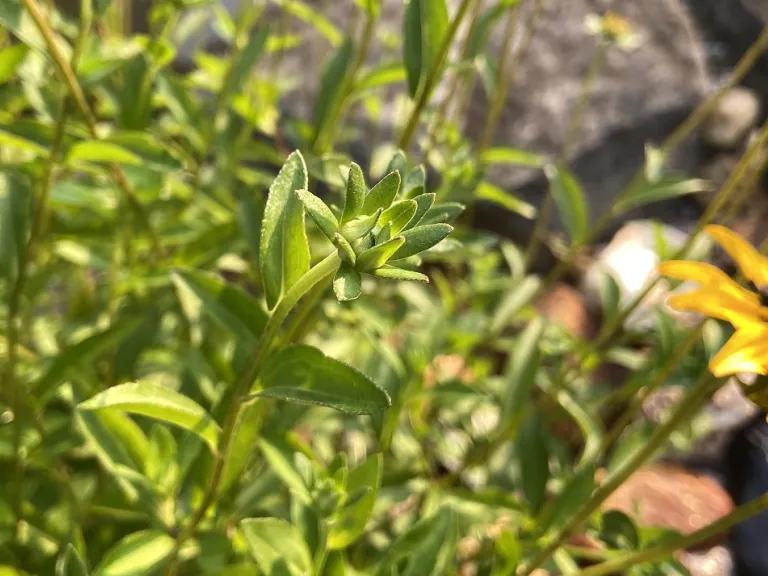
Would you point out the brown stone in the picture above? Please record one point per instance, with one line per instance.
(566, 307)
(671, 497)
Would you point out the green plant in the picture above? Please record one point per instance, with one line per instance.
(198, 379)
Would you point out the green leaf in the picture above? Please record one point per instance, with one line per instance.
(335, 565)
(359, 227)
(314, 18)
(304, 374)
(160, 465)
(15, 203)
(492, 193)
(377, 256)
(434, 27)
(398, 216)
(99, 151)
(398, 163)
(319, 212)
(17, 20)
(619, 531)
(332, 84)
(424, 202)
(10, 60)
(412, 52)
(515, 300)
(251, 216)
(70, 563)
(136, 95)
(414, 182)
(394, 273)
(347, 283)
(664, 189)
(569, 199)
(149, 150)
(575, 494)
(273, 539)
(284, 248)
(246, 60)
(137, 554)
(523, 365)
(355, 195)
(508, 547)
(483, 29)
(382, 195)
(280, 461)
(84, 352)
(514, 156)
(229, 305)
(382, 75)
(346, 251)
(443, 212)
(533, 458)
(350, 521)
(421, 238)
(429, 547)
(158, 402)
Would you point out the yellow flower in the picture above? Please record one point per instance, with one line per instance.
(721, 297)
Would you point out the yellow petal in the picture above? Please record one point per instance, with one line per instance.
(708, 276)
(746, 351)
(753, 265)
(719, 304)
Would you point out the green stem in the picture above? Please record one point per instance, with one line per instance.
(324, 140)
(683, 411)
(620, 565)
(67, 73)
(318, 273)
(432, 77)
(587, 86)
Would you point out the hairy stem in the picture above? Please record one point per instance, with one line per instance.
(317, 274)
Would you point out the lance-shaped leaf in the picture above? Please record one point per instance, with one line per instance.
(158, 402)
(272, 542)
(398, 215)
(332, 85)
(423, 203)
(377, 256)
(15, 196)
(412, 45)
(394, 273)
(304, 374)
(360, 226)
(319, 212)
(347, 283)
(398, 163)
(138, 553)
(414, 182)
(346, 251)
(571, 205)
(355, 196)
(422, 238)
(284, 250)
(382, 195)
(443, 212)
(352, 519)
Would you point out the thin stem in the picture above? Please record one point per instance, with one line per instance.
(683, 411)
(318, 273)
(70, 78)
(684, 130)
(432, 77)
(502, 84)
(744, 168)
(324, 140)
(619, 565)
(545, 212)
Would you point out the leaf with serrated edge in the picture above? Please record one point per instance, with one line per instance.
(319, 212)
(421, 238)
(304, 374)
(382, 195)
(158, 402)
(377, 256)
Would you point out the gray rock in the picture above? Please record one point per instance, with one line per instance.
(731, 120)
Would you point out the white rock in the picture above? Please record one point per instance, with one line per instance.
(632, 259)
(733, 117)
